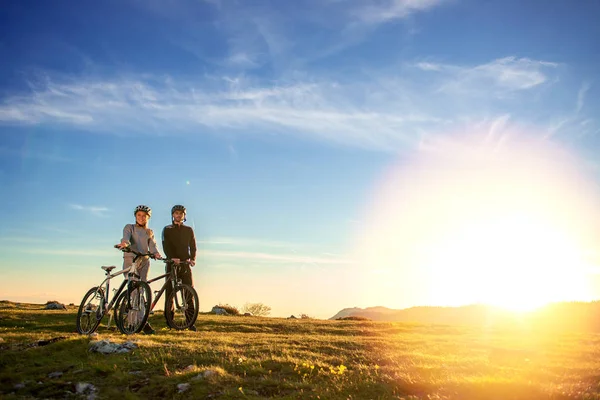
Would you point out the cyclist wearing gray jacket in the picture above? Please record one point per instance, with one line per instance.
(141, 239)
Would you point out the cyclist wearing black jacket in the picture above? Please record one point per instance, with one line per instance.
(179, 244)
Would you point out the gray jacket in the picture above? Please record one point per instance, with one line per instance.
(141, 239)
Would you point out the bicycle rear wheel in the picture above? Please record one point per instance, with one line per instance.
(91, 311)
(181, 308)
(132, 312)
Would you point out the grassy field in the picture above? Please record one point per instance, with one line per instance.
(253, 357)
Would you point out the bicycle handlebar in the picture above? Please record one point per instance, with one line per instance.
(128, 250)
(167, 260)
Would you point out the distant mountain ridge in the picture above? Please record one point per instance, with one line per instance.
(368, 312)
(566, 315)
(425, 314)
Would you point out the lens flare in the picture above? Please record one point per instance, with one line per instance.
(465, 221)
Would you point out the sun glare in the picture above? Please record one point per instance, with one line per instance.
(507, 226)
(511, 261)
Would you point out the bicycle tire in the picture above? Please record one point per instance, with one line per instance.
(185, 291)
(131, 317)
(88, 313)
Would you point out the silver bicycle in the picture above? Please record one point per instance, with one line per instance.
(133, 298)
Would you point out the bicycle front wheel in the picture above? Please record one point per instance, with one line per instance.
(132, 308)
(91, 311)
(181, 308)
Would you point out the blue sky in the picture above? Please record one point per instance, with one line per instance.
(277, 124)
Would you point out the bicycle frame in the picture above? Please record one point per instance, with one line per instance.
(107, 306)
(171, 278)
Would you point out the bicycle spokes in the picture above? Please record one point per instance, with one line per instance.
(133, 307)
(182, 308)
(91, 311)
(135, 313)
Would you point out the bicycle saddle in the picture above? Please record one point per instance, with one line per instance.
(108, 268)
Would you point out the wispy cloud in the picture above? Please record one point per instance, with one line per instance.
(287, 258)
(427, 66)
(85, 252)
(28, 153)
(62, 231)
(388, 110)
(247, 242)
(95, 210)
(251, 35)
(376, 12)
(581, 95)
(502, 75)
(322, 109)
(254, 35)
(264, 257)
(22, 239)
(574, 123)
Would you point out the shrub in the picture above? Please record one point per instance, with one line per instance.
(231, 310)
(258, 309)
(353, 318)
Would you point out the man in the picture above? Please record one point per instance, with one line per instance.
(179, 244)
(140, 238)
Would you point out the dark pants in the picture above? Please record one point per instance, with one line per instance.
(184, 273)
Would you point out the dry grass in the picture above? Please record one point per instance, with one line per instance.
(254, 357)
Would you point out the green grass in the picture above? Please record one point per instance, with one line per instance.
(254, 357)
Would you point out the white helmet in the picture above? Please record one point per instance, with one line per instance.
(143, 208)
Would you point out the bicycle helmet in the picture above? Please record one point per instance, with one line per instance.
(143, 208)
(179, 207)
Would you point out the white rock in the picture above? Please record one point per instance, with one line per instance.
(209, 372)
(183, 387)
(219, 311)
(55, 306)
(19, 386)
(84, 387)
(56, 374)
(206, 374)
(107, 347)
(129, 345)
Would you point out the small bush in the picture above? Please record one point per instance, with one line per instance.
(305, 316)
(231, 310)
(353, 318)
(257, 309)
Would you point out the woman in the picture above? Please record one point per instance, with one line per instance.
(140, 238)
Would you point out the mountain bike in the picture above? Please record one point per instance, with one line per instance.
(95, 303)
(181, 305)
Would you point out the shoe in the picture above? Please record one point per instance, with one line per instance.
(148, 330)
(193, 328)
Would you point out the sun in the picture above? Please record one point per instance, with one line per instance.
(513, 261)
(509, 226)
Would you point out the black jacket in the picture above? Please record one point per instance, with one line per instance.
(179, 242)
